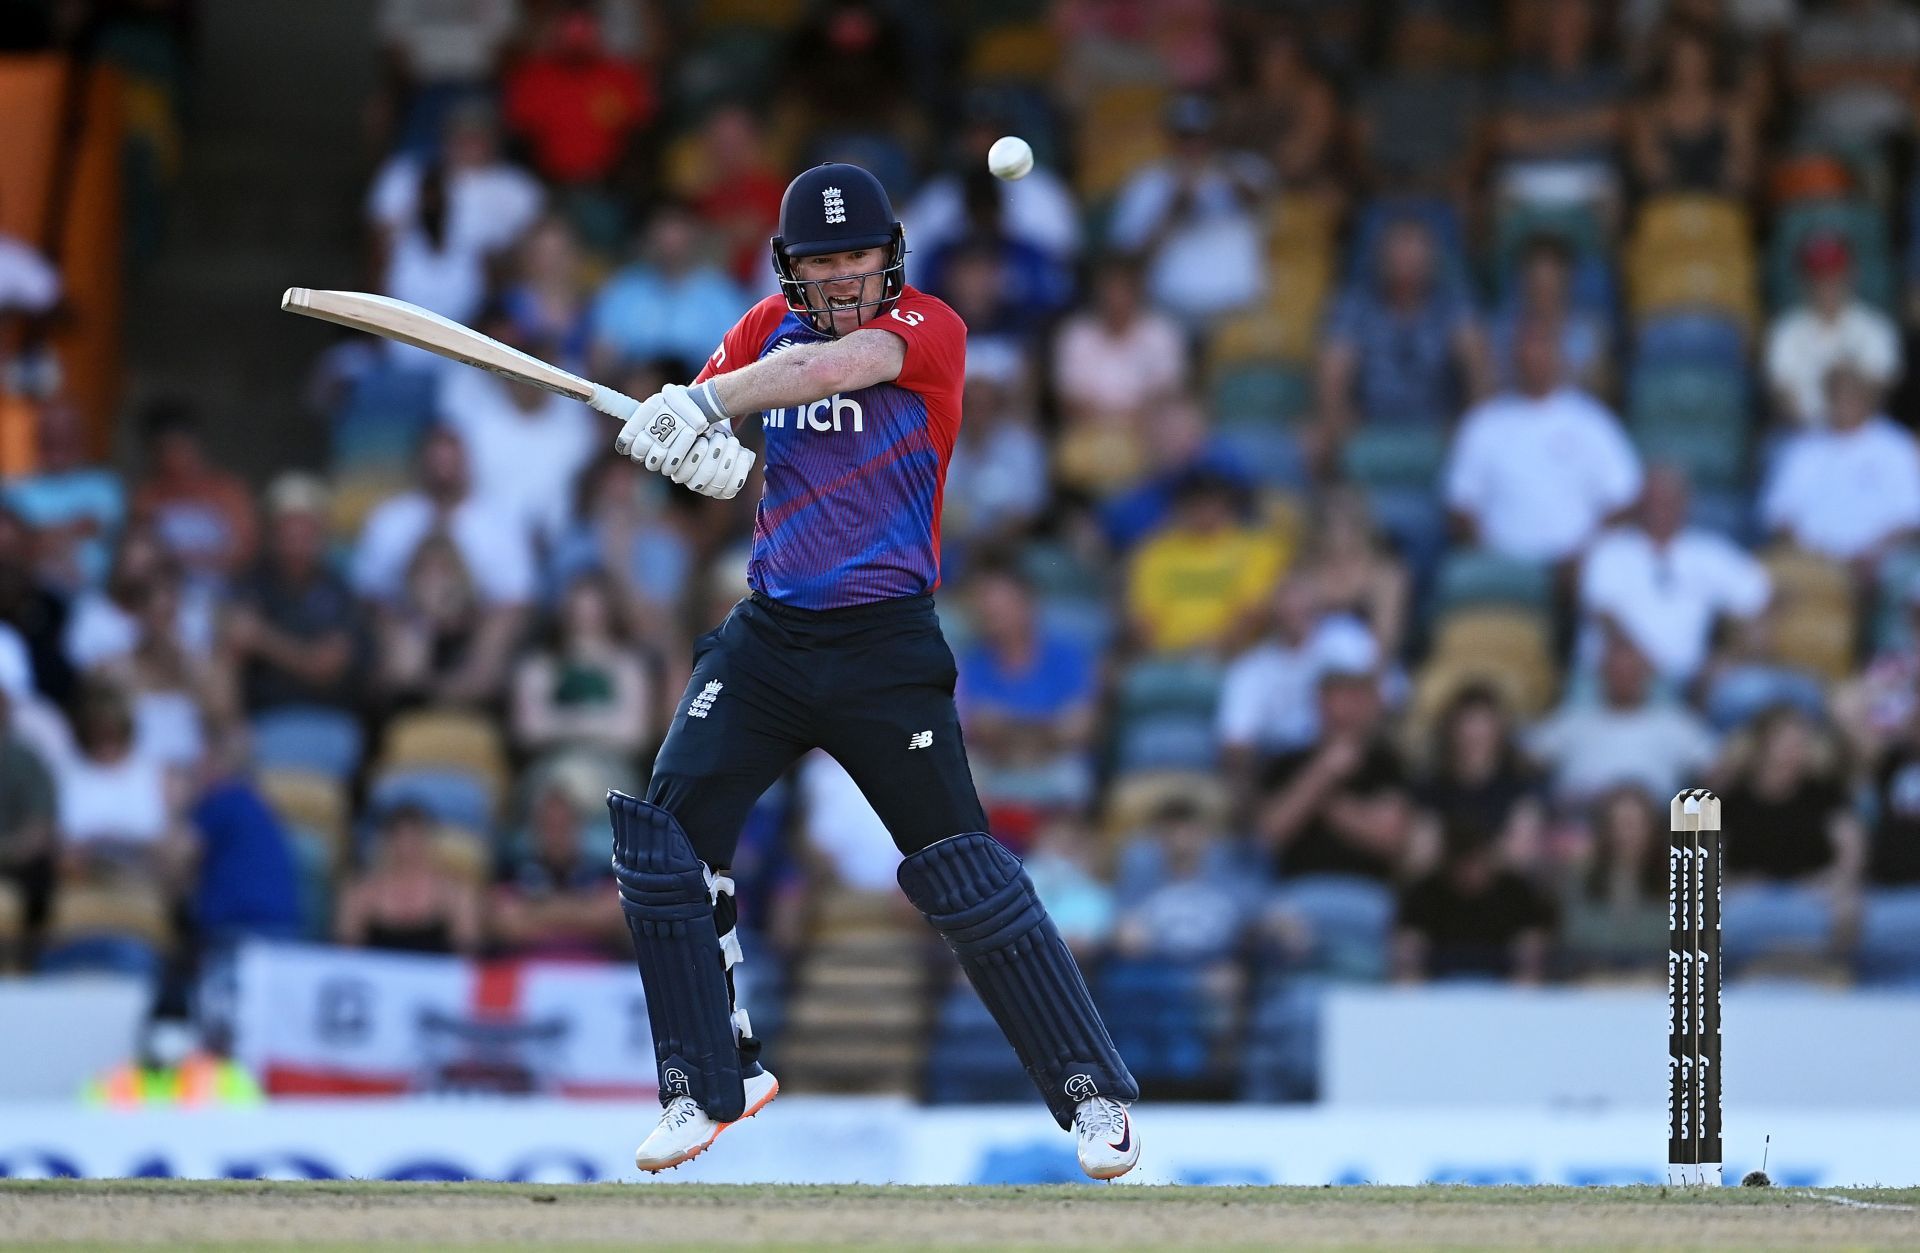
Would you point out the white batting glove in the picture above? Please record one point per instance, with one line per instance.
(717, 465)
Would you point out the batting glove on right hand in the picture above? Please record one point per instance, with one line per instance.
(717, 465)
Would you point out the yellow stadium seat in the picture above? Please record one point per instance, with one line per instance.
(13, 916)
(1666, 283)
(120, 909)
(1120, 132)
(462, 854)
(1298, 223)
(1709, 224)
(434, 739)
(1480, 633)
(1026, 50)
(1800, 578)
(311, 801)
(1135, 798)
(357, 495)
(1816, 638)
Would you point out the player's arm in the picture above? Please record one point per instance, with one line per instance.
(810, 372)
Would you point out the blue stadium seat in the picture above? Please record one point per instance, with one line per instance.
(102, 954)
(1415, 523)
(1162, 1017)
(383, 418)
(1280, 1058)
(1267, 453)
(969, 1060)
(1088, 621)
(450, 796)
(1474, 576)
(1347, 921)
(305, 737)
(1889, 944)
(1724, 511)
(1739, 694)
(1690, 339)
(1167, 742)
(1764, 920)
(313, 864)
(1441, 219)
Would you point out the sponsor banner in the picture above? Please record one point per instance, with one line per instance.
(863, 1140)
(59, 1031)
(1604, 1047)
(313, 1020)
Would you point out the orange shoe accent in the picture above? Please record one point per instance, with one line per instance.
(704, 1145)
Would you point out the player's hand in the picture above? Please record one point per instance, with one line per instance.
(662, 430)
(716, 466)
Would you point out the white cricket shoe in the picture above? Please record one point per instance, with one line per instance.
(685, 1131)
(1108, 1146)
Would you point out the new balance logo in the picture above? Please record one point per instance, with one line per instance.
(701, 705)
(836, 207)
(920, 739)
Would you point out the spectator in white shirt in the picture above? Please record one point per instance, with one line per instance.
(1665, 584)
(1849, 491)
(1832, 326)
(437, 53)
(491, 202)
(1627, 738)
(1196, 218)
(1270, 698)
(495, 549)
(29, 285)
(526, 446)
(1536, 472)
(1037, 209)
(997, 480)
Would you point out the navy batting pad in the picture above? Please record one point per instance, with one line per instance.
(978, 897)
(669, 908)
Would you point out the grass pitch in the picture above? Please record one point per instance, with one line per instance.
(532, 1218)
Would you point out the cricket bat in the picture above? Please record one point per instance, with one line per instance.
(410, 324)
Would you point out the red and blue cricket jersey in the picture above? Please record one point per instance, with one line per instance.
(851, 510)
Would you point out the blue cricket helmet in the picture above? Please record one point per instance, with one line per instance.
(835, 207)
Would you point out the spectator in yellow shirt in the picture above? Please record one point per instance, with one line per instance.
(1202, 582)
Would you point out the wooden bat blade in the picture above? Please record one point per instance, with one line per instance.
(410, 324)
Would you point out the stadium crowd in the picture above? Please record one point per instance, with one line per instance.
(1405, 443)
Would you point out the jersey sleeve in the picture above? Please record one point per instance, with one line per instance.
(936, 342)
(741, 345)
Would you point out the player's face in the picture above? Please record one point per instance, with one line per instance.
(843, 281)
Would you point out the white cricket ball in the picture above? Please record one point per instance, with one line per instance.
(1010, 157)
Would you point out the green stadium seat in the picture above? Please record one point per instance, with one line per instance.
(1688, 395)
(1474, 576)
(1865, 231)
(1394, 456)
(1898, 580)
(1170, 686)
(1247, 392)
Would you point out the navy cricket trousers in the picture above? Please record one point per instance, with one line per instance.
(871, 684)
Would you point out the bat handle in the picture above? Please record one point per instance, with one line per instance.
(613, 404)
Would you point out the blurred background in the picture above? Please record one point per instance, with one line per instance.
(1406, 441)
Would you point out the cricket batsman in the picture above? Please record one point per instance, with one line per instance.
(855, 378)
